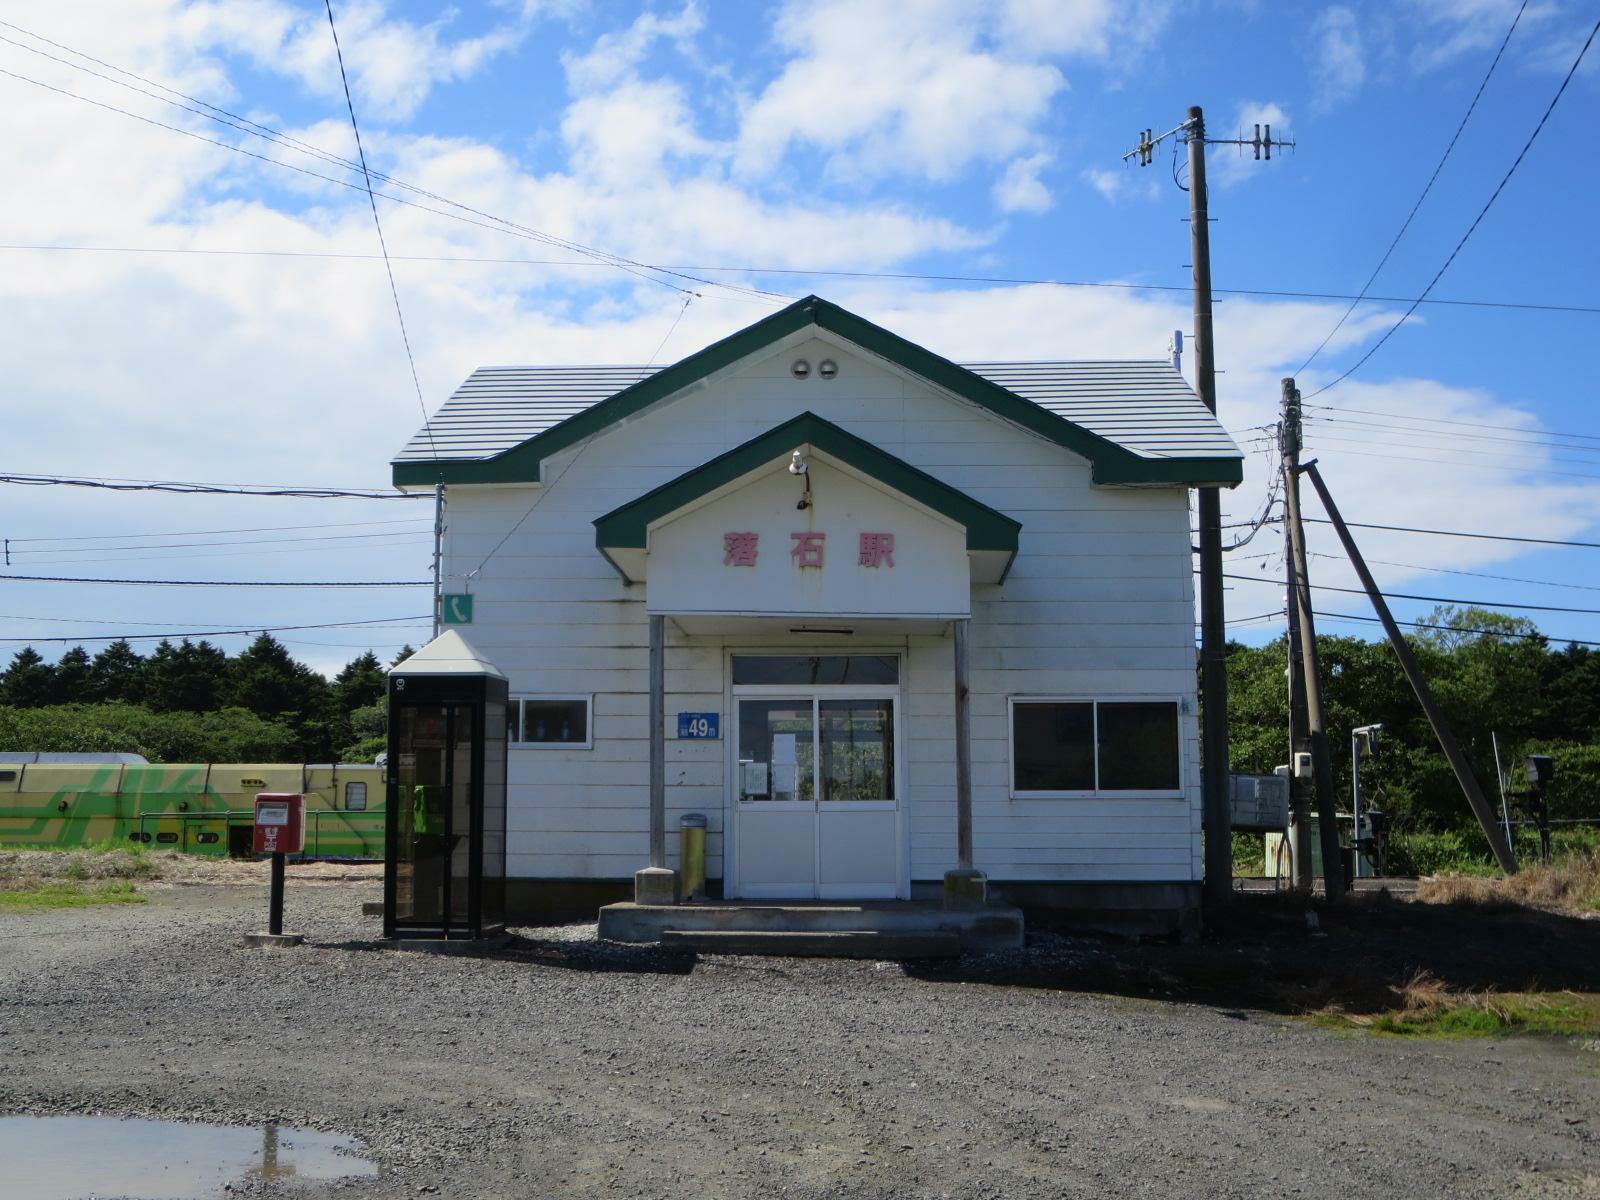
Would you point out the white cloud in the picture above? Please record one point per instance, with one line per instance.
(1119, 185)
(1338, 64)
(1019, 189)
(895, 86)
(615, 56)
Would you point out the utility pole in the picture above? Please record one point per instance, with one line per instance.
(1419, 684)
(1301, 875)
(438, 555)
(1305, 624)
(1213, 620)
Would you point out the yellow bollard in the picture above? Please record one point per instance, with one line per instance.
(692, 856)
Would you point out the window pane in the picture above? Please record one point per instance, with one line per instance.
(513, 720)
(1052, 745)
(555, 721)
(1139, 747)
(857, 749)
(355, 797)
(776, 750)
(816, 669)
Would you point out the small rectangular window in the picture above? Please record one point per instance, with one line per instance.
(355, 797)
(549, 721)
(8, 776)
(1086, 746)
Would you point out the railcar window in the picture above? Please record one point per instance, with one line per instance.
(355, 797)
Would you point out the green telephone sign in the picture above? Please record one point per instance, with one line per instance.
(455, 609)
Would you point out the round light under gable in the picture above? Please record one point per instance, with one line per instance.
(827, 368)
(800, 368)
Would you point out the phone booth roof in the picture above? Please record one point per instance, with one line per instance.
(448, 654)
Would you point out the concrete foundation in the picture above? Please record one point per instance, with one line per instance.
(655, 885)
(965, 889)
(491, 941)
(1131, 909)
(980, 930)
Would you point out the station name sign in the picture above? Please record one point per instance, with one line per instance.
(807, 549)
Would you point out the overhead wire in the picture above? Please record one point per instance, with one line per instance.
(1428, 187)
(1540, 636)
(254, 128)
(817, 272)
(1491, 604)
(107, 537)
(295, 491)
(211, 633)
(1398, 416)
(1476, 221)
(1530, 442)
(256, 583)
(1586, 587)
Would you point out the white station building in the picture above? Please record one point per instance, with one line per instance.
(904, 625)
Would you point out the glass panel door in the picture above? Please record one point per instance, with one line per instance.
(423, 796)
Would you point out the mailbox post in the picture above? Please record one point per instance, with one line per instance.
(280, 830)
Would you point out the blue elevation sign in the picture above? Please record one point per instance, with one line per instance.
(700, 725)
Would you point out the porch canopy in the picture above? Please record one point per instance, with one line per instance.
(808, 529)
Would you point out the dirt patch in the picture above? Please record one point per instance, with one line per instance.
(168, 867)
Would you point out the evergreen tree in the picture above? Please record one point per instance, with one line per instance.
(69, 683)
(116, 674)
(406, 652)
(188, 677)
(26, 683)
(267, 680)
(360, 684)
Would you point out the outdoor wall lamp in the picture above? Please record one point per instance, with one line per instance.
(798, 466)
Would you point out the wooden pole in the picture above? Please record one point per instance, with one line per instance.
(1213, 626)
(658, 742)
(1301, 876)
(963, 748)
(1419, 685)
(1316, 725)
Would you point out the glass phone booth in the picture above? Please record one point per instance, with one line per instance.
(445, 860)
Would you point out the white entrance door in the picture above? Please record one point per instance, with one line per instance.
(816, 811)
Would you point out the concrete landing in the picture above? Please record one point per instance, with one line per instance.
(980, 931)
(939, 943)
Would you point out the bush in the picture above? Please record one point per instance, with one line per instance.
(1449, 853)
(229, 735)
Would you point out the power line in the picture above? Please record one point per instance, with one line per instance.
(1492, 537)
(270, 583)
(337, 537)
(1501, 456)
(107, 537)
(252, 128)
(383, 246)
(1531, 441)
(111, 483)
(1587, 587)
(1369, 412)
(1476, 221)
(1428, 187)
(1491, 604)
(34, 563)
(1459, 629)
(211, 633)
(801, 272)
(1456, 462)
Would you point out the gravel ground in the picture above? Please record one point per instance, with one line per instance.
(562, 1067)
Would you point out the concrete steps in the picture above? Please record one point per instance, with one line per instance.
(830, 943)
(978, 930)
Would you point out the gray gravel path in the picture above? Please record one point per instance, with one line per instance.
(564, 1068)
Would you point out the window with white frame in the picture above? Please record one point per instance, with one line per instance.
(1064, 746)
(556, 722)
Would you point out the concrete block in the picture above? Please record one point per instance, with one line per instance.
(274, 940)
(833, 943)
(965, 889)
(655, 885)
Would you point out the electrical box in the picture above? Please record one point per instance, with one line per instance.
(1258, 801)
(280, 826)
(1302, 764)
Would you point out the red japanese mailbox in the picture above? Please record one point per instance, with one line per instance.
(280, 823)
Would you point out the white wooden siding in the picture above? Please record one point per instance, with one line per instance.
(1099, 602)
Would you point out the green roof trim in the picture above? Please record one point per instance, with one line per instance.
(1112, 463)
(627, 528)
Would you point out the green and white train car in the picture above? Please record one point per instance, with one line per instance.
(63, 801)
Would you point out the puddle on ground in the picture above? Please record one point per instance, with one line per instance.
(84, 1158)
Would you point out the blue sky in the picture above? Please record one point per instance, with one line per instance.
(943, 137)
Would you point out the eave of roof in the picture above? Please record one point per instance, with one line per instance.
(1111, 463)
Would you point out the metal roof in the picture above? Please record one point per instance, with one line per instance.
(1144, 406)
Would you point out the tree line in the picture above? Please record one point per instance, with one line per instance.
(191, 701)
(1495, 677)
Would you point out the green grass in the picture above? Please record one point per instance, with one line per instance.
(1565, 1014)
(43, 896)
